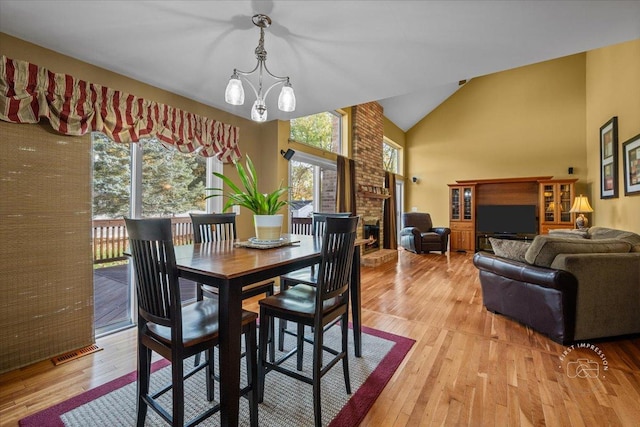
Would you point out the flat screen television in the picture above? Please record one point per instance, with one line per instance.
(507, 219)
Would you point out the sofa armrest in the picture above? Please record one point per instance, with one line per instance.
(442, 231)
(410, 231)
(542, 298)
(608, 296)
(515, 270)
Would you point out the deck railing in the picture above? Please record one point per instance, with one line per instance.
(110, 237)
(301, 225)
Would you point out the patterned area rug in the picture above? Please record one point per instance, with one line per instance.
(287, 402)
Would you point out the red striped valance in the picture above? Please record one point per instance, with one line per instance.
(75, 107)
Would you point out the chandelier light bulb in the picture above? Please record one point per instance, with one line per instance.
(287, 99)
(234, 94)
(259, 111)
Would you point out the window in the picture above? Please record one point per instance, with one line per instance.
(390, 156)
(322, 130)
(313, 185)
(147, 179)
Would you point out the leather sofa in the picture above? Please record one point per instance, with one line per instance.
(420, 236)
(566, 285)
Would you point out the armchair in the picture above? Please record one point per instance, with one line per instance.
(420, 236)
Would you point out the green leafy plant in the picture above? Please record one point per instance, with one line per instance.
(250, 198)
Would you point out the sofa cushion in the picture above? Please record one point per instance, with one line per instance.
(544, 248)
(565, 232)
(599, 233)
(510, 249)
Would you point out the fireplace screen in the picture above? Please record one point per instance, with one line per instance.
(371, 231)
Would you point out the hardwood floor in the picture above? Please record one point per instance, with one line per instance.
(467, 367)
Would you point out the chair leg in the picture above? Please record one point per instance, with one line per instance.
(199, 297)
(144, 371)
(282, 325)
(300, 346)
(210, 374)
(345, 349)
(262, 353)
(272, 334)
(284, 285)
(317, 366)
(252, 372)
(177, 374)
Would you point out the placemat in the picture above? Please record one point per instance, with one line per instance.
(254, 245)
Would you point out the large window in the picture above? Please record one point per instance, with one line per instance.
(322, 130)
(147, 179)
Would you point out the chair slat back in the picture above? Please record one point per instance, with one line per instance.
(151, 246)
(320, 220)
(301, 225)
(338, 245)
(213, 227)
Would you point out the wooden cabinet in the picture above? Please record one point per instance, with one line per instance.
(555, 199)
(462, 217)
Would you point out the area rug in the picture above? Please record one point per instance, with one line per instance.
(287, 402)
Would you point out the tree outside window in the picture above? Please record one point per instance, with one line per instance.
(321, 130)
(389, 158)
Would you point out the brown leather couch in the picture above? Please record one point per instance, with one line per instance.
(420, 236)
(568, 288)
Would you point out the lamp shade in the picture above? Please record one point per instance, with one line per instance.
(234, 94)
(287, 99)
(581, 204)
(258, 112)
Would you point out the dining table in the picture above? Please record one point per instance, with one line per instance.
(229, 267)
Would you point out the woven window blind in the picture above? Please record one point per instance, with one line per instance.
(46, 276)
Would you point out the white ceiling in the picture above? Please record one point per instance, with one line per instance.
(408, 55)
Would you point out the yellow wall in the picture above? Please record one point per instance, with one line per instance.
(613, 89)
(529, 121)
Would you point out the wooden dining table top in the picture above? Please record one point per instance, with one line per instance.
(226, 260)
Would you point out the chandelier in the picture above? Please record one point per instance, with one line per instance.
(234, 94)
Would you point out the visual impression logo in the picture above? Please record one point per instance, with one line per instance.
(584, 360)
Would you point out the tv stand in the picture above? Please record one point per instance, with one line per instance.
(483, 244)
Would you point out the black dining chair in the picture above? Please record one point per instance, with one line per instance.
(174, 331)
(305, 275)
(215, 227)
(317, 306)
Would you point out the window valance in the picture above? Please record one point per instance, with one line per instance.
(74, 107)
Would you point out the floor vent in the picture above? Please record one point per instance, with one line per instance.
(75, 354)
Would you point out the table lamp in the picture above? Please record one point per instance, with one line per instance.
(580, 206)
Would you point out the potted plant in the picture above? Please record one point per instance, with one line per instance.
(265, 206)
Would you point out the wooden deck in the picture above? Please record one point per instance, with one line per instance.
(112, 296)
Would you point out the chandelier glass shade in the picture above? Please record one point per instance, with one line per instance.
(234, 94)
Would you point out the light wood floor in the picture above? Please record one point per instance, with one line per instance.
(467, 367)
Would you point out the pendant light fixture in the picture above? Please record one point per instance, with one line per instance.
(234, 94)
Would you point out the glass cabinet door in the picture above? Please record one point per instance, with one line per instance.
(565, 202)
(455, 204)
(549, 203)
(467, 205)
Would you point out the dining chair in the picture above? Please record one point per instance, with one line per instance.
(305, 275)
(174, 331)
(215, 227)
(317, 306)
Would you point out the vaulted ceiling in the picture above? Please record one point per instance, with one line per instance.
(408, 55)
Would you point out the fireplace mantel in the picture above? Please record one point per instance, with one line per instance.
(373, 195)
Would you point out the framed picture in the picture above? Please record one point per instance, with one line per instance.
(631, 156)
(609, 159)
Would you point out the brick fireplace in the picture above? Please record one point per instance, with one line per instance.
(367, 134)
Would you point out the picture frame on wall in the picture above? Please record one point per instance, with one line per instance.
(631, 159)
(609, 159)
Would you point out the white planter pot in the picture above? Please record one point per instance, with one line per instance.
(268, 227)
